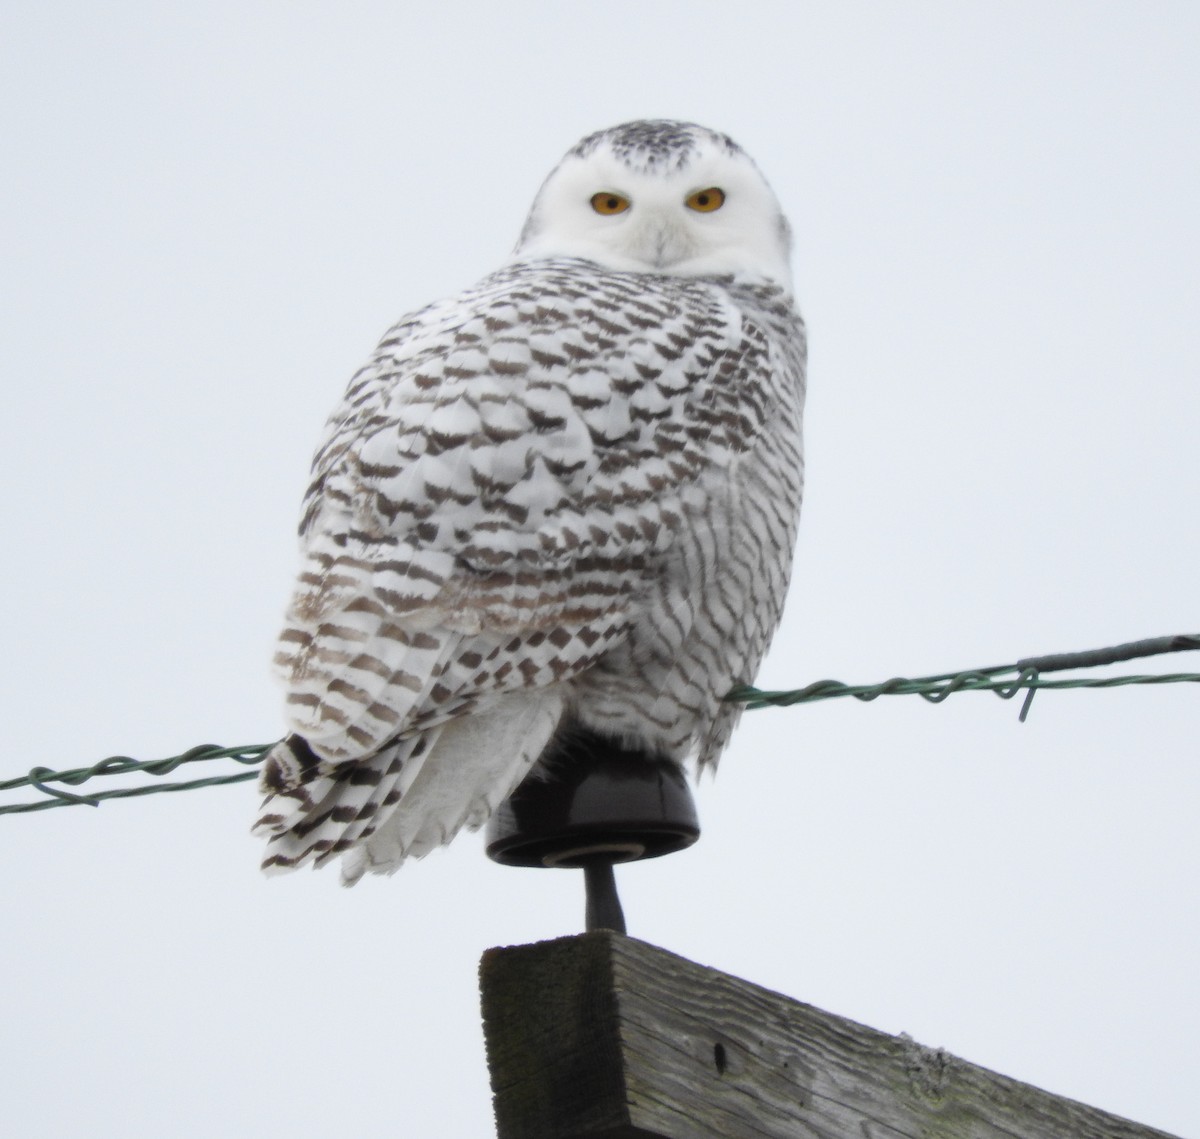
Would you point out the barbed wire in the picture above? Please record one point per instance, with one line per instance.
(40, 778)
(994, 678)
(999, 679)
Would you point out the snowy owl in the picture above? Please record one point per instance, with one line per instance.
(560, 504)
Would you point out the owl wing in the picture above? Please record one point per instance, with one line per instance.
(496, 489)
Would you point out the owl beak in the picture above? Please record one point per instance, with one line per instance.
(668, 243)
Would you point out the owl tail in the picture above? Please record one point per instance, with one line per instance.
(404, 800)
(476, 763)
(316, 809)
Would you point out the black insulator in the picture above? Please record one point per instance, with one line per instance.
(592, 801)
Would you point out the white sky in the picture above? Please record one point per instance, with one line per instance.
(209, 213)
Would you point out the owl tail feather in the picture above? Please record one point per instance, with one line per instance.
(474, 765)
(316, 809)
(406, 799)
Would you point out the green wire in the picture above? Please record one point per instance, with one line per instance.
(40, 778)
(935, 689)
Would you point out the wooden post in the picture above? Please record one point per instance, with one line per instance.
(604, 1037)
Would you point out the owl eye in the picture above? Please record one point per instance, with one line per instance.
(605, 203)
(705, 201)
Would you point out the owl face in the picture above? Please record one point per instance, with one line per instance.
(660, 197)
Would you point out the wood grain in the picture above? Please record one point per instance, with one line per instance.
(602, 1036)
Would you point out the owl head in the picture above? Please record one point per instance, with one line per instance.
(660, 197)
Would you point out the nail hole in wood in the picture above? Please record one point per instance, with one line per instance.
(719, 1058)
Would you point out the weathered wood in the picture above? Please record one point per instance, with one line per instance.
(605, 1037)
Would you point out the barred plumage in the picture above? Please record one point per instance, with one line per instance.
(567, 495)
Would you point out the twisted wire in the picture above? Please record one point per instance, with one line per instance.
(1028, 678)
(1005, 680)
(40, 778)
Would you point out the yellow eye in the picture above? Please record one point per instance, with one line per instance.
(605, 203)
(705, 201)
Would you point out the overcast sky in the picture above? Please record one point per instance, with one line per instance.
(210, 212)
